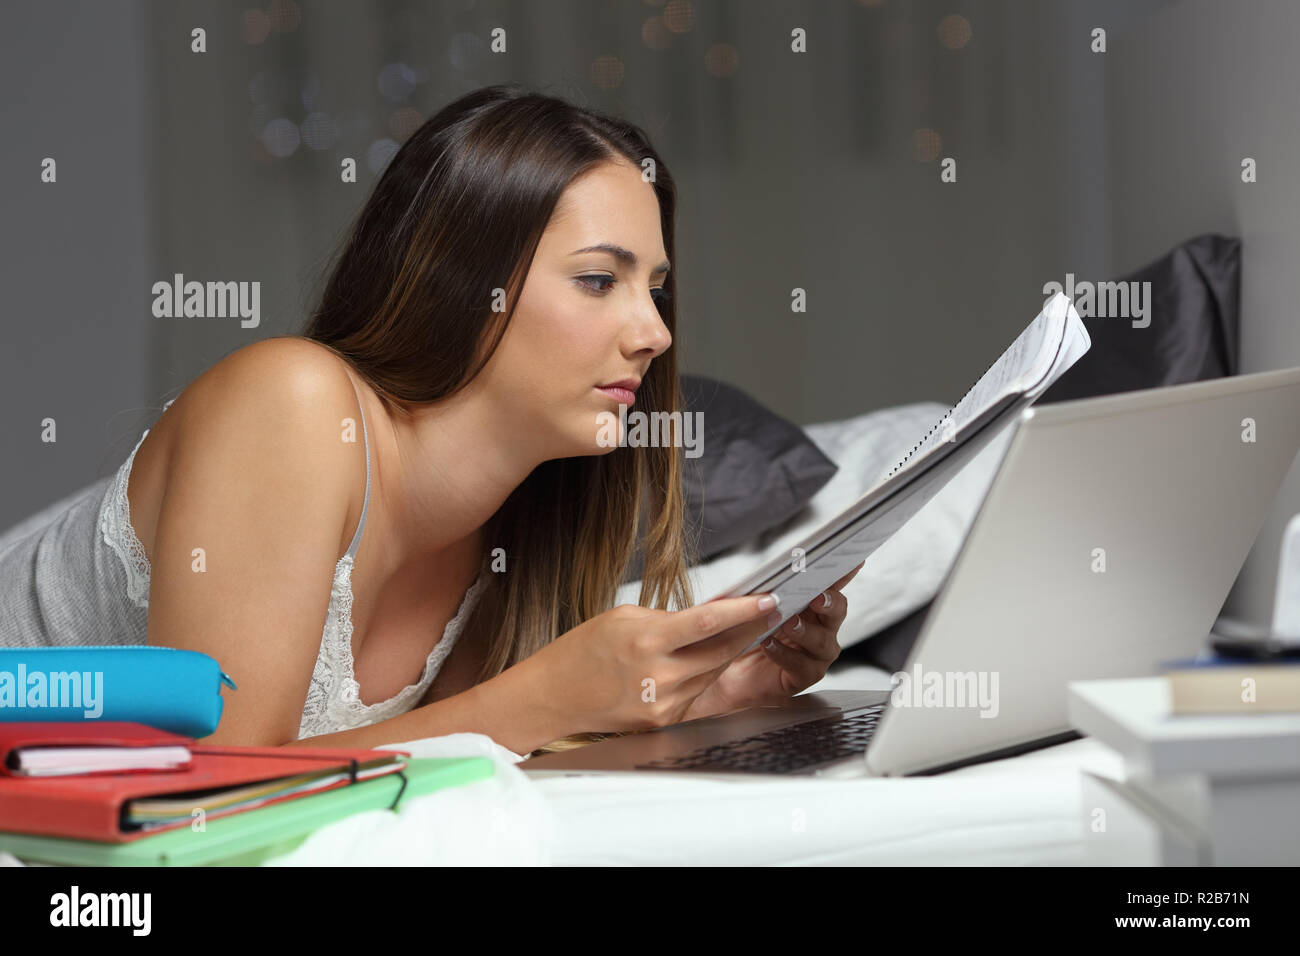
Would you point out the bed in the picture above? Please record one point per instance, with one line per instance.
(1025, 810)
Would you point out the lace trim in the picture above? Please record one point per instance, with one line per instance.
(115, 527)
(119, 534)
(327, 712)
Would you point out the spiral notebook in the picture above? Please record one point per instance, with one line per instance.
(1049, 345)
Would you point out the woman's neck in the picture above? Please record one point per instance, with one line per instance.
(443, 472)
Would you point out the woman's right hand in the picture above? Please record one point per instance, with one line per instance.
(638, 668)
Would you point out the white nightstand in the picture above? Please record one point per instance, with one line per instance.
(1197, 790)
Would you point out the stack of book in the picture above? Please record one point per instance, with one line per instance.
(1230, 685)
(119, 793)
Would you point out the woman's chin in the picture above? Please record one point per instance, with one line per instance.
(577, 444)
(602, 446)
(603, 435)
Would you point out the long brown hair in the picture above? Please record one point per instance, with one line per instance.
(457, 213)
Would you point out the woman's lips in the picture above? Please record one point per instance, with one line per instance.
(624, 396)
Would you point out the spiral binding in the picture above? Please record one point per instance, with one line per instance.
(946, 416)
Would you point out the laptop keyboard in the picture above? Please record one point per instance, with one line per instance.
(784, 750)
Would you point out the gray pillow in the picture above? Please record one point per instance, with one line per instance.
(757, 469)
(1193, 332)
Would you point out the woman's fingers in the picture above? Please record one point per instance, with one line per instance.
(804, 669)
(731, 617)
(830, 607)
(804, 632)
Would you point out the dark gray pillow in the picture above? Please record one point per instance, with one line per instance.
(1192, 335)
(757, 469)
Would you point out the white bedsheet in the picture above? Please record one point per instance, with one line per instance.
(1019, 811)
(1023, 810)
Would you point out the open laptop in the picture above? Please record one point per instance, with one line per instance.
(1106, 545)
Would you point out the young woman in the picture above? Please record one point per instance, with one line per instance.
(403, 523)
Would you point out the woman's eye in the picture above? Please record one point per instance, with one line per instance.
(660, 295)
(587, 280)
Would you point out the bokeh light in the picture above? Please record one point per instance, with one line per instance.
(655, 34)
(927, 144)
(255, 27)
(606, 72)
(679, 16)
(280, 136)
(954, 31)
(722, 59)
(283, 15)
(404, 122)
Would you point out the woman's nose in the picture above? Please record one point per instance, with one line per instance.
(651, 332)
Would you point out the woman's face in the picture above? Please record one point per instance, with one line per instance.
(587, 317)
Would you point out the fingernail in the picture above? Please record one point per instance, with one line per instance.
(768, 601)
(774, 619)
(798, 624)
(826, 600)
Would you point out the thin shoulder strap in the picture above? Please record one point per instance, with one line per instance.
(365, 504)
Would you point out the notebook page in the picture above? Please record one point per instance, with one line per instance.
(60, 761)
(1030, 364)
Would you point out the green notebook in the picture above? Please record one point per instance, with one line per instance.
(254, 836)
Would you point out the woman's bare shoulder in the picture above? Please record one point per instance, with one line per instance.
(276, 407)
(287, 369)
(282, 386)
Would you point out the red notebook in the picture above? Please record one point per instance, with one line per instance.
(98, 806)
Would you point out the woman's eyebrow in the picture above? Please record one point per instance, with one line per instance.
(626, 256)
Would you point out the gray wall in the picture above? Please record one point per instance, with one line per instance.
(1197, 87)
(797, 170)
(76, 255)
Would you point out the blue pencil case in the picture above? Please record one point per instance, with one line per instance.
(161, 687)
